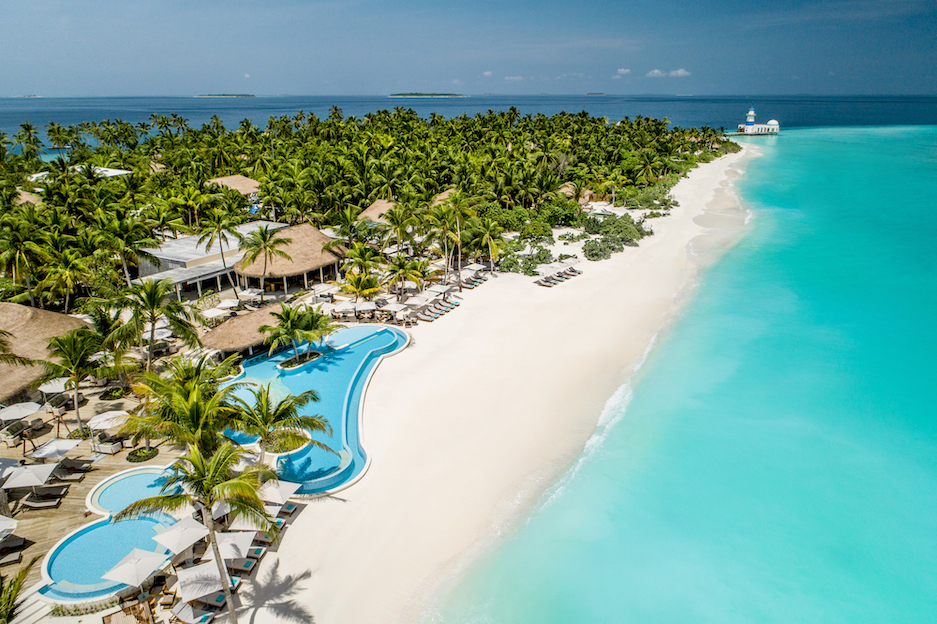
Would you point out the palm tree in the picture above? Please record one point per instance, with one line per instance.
(21, 245)
(269, 420)
(206, 481)
(187, 406)
(488, 233)
(400, 270)
(361, 285)
(218, 225)
(70, 356)
(10, 591)
(291, 329)
(151, 301)
(264, 241)
(362, 259)
(6, 354)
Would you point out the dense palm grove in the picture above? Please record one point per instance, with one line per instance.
(88, 232)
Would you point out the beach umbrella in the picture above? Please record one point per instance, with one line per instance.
(215, 313)
(29, 476)
(325, 289)
(198, 581)
(19, 411)
(7, 526)
(394, 307)
(365, 306)
(345, 306)
(476, 267)
(225, 304)
(570, 261)
(277, 492)
(54, 386)
(220, 509)
(417, 301)
(231, 545)
(159, 334)
(161, 323)
(242, 523)
(136, 567)
(106, 420)
(54, 449)
(324, 308)
(251, 292)
(182, 534)
(439, 288)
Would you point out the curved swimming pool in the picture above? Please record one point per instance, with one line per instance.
(73, 568)
(340, 377)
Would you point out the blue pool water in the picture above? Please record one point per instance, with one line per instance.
(131, 488)
(76, 565)
(339, 378)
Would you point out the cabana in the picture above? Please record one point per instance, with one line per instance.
(307, 254)
(375, 212)
(242, 184)
(241, 333)
(31, 329)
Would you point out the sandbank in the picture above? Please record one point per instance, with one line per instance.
(487, 408)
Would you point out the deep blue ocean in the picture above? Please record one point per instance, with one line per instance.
(775, 459)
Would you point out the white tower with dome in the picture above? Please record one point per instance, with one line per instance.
(750, 127)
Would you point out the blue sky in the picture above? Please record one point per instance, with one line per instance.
(362, 47)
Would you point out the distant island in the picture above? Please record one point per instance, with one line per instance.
(595, 94)
(426, 95)
(227, 95)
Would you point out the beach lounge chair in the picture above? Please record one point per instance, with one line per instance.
(10, 558)
(12, 434)
(186, 613)
(75, 465)
(241, 565)
(60, 474)
(289, 508)
(263, 538)
(36, 502)
(217, 599)
(257, 552)
(103, 443)
(13, 542)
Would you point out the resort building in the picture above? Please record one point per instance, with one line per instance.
(187, 264)
(308, 256)
(750, 127)
(30, 329)
(375, 212)
(242, 184)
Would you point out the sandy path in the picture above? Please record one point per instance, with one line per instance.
(486, 408)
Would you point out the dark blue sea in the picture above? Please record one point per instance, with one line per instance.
(727, 111)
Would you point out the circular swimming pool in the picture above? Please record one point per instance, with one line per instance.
(113, 494)
(74, 567)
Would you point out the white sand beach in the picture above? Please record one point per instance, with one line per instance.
(481, 413)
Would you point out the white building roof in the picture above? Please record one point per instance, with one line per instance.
(187, 251)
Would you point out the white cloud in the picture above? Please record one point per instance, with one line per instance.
(456, 82)
(656, 73)
(247, 75)
(513, 78)
(622, 71)
(616, 77)
(680, 73)
(487, 73)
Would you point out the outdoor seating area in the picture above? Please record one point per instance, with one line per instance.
(552, 279)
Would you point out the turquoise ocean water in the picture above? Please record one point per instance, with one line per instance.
(777, 460)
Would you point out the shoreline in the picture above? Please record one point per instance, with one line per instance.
(488, 409)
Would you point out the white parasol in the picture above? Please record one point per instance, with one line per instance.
(29, 476)
(198, 581)
(278, 491)
(19, 411)
(231, 545)
(106, 420)
(225, 304)
(182, 534)
(54, 449)
(54, 386)
(136, 567)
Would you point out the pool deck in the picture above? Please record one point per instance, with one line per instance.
(43, 528)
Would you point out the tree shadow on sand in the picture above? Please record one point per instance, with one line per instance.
(276, 594)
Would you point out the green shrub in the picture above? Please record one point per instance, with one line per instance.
(536, 229)
(80, 434)
(142, 454)
(112, 394)
(596, 250)
(509, 263)
(560, 212)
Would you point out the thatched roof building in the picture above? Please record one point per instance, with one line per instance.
(25, 197)
(31, 329)
(376, 211)
(241, 184)
(440, 198)
(305, 250)
(241, 332)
